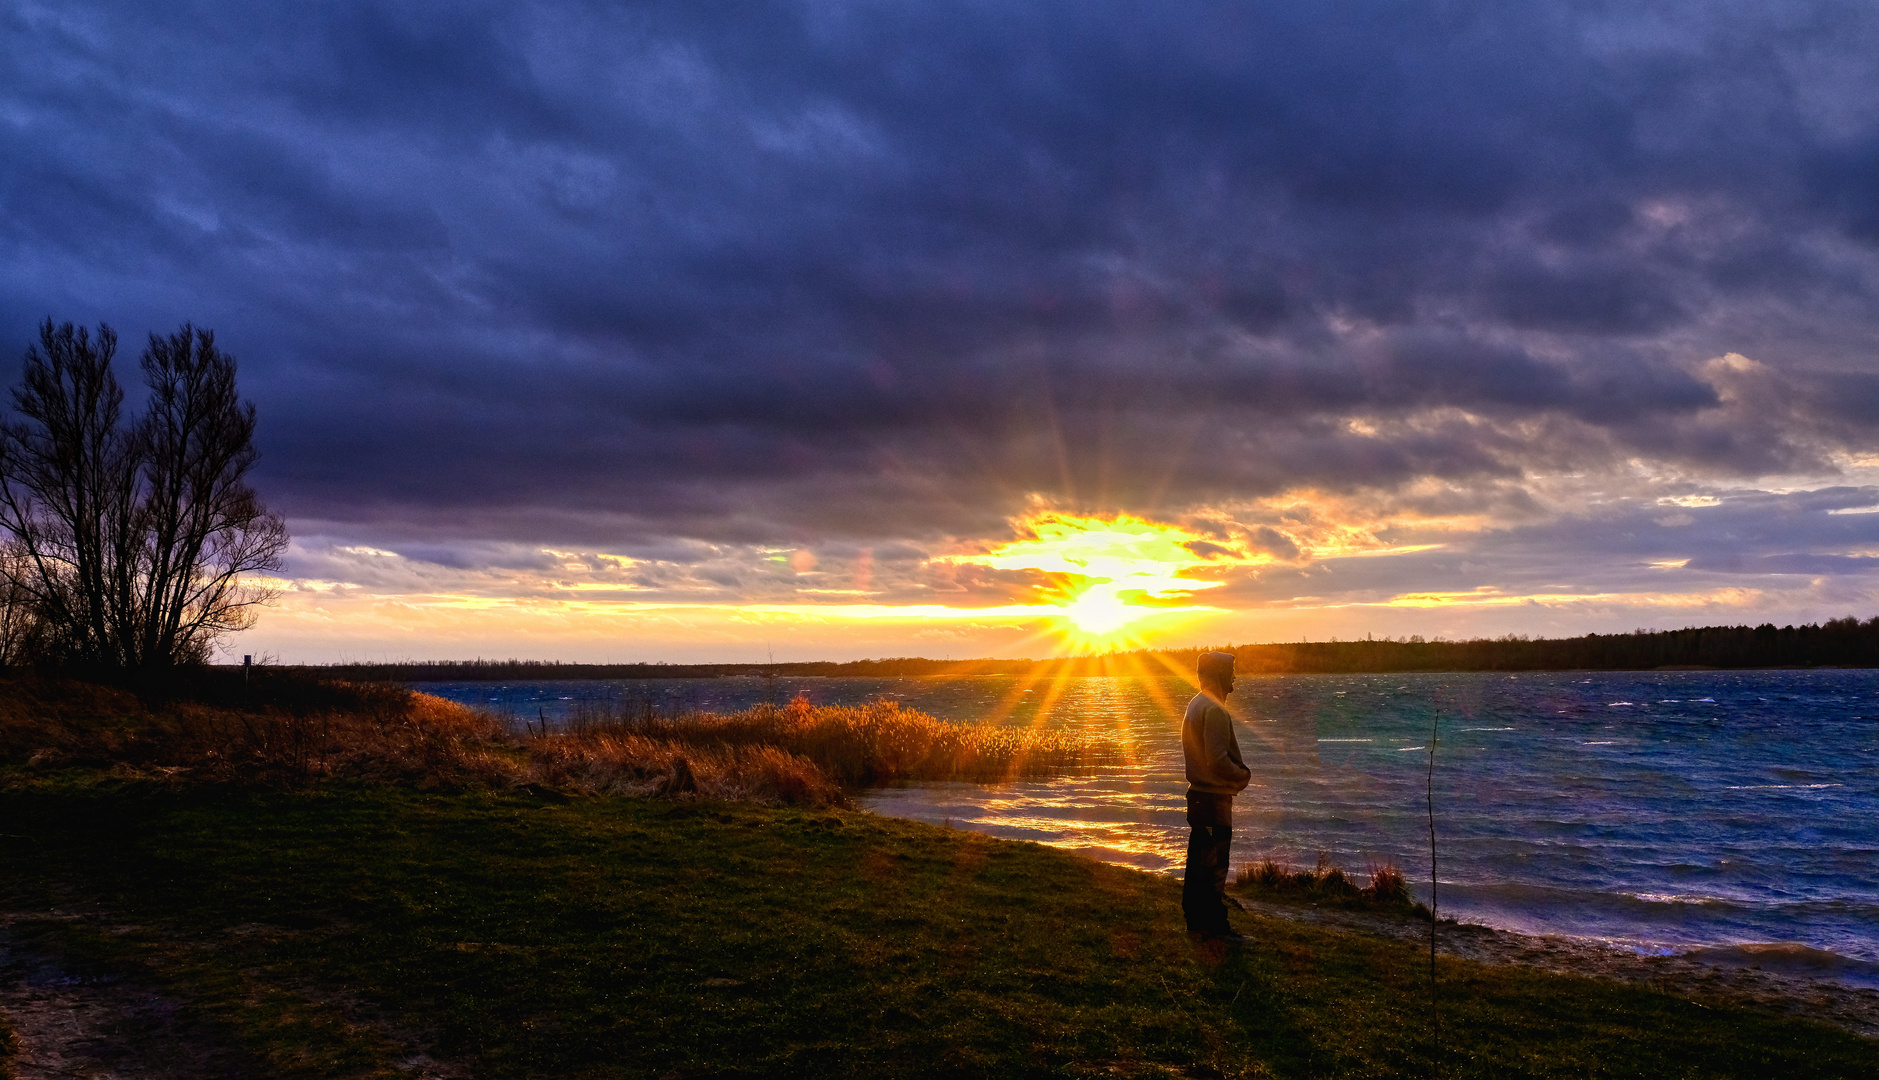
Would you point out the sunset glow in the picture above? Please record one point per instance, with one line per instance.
(805, 343)
(671, 504)
(1113, 571)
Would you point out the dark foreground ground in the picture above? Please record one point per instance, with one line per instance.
(375, 930)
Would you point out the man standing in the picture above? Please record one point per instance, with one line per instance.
(1215, 773)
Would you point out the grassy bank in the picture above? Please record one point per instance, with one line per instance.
(338, 881)
(518, 934)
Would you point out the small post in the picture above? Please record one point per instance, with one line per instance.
(247, 665)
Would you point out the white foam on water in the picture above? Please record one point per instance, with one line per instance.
(1676, 898)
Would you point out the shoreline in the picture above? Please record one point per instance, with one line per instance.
(1730, 976)
(1767, 977)
(521, 932)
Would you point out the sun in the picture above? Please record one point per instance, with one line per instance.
(1099, 613)
(1110, 573)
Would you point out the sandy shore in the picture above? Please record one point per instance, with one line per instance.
(1772, 980)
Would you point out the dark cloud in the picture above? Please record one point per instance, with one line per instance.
(773, 273)
(1794, 563)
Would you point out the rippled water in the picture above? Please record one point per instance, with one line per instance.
(1659, 810)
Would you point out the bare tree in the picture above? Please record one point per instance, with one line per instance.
(22, 632)
(136, 544)
(65, 487)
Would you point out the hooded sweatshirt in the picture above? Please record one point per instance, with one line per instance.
(1212, 751)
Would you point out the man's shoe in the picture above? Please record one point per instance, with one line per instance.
(1221, 937)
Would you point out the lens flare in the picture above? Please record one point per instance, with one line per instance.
(1109, 573)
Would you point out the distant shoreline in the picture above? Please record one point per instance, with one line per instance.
(1838, 644)
(1041, 669)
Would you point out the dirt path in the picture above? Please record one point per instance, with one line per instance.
(1730, 978)
(77, 1024)
(101, 1025)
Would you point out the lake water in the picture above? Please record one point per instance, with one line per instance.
(1660, 811)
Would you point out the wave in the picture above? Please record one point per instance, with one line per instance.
(1697, 899)
(1586, 901)
(1779, 787)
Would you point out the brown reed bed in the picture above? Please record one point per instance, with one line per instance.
(858, 746)
(284, 735)
(290, 734)
(1328, 886)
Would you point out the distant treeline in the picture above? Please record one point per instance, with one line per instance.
(1844, 642)
(518, 670)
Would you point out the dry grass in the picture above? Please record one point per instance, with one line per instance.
(294, 733)
(367, 732)
(1327, 885)
(871, 744)
(622, 762)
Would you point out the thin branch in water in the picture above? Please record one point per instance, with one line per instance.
(1435, 1010)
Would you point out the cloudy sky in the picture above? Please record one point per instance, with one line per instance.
(703, 330)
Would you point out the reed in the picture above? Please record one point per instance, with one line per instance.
(796, 754)
(857, 745)
(305, 735)
(619, 762)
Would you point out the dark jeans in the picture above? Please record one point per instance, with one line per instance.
(1210, 834)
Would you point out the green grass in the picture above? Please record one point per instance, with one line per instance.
(522, 935)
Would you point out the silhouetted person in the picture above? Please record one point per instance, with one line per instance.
(1215, 773)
